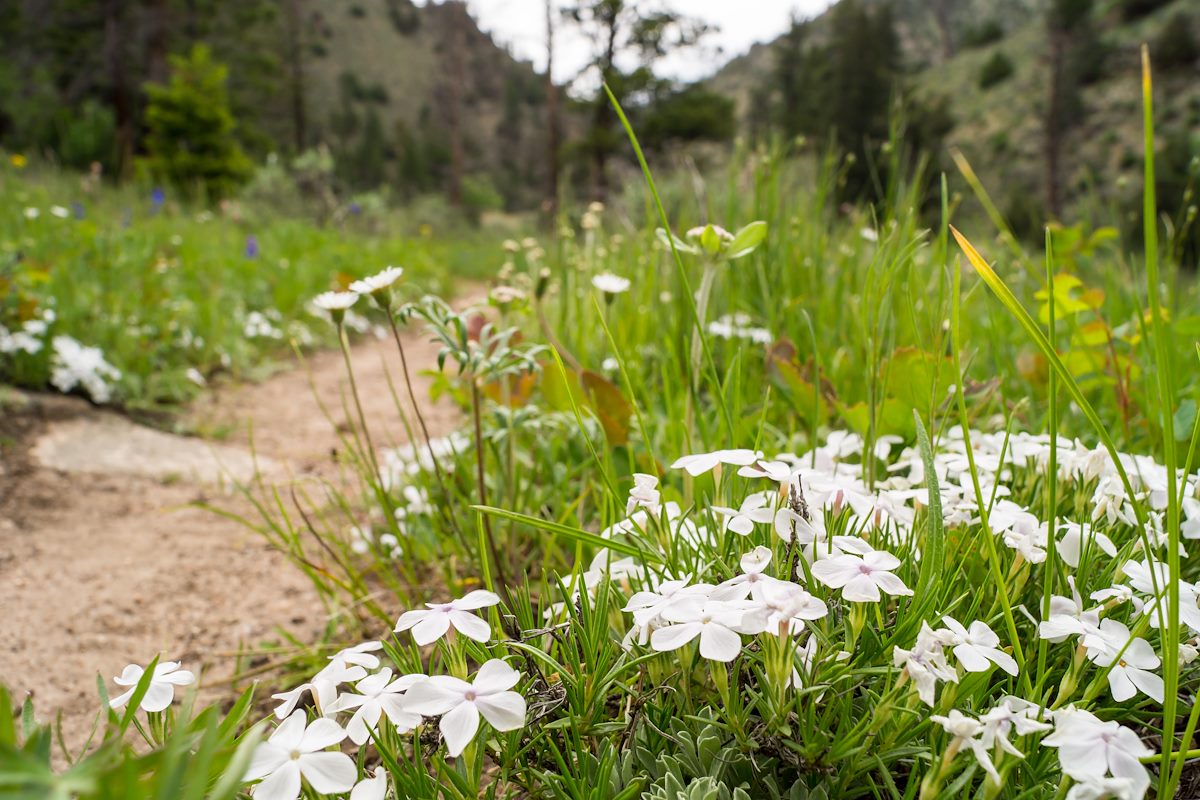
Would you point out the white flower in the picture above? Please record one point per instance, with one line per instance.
(195, 376)
(60, 212)
(752, 579)
(345, 666)
(1067, 617)
(75, 365)
(432, 624)
(32, 213)
(1077, 537)
(966, 731)
(376, 695)
(377, 282)
(717, 623)
(461, 703)
(788, 604)
(161, 690)
(1012, 714)
(1093, 788)
(925, 664)
(335, 301)
(297, 751)
(1131, 672)
(648, 607)
(700, 463)
(754, 510)
(779, 471)
(362, 655)
(974, 647)
(1089, 748)
(861, 577)
(644, 494)
(371, 788)
(610, 284)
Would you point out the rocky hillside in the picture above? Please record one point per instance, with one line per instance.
(990, 58)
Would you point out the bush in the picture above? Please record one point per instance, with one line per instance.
(190, 140)
(996, 69)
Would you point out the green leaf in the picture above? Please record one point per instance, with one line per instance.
(710, 241)
(747, 240)
(933, 547)
(574, 534)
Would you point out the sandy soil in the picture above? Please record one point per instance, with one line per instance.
(105, 561)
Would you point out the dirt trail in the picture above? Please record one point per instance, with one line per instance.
(103, 559)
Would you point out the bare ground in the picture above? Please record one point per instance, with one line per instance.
(104, 558)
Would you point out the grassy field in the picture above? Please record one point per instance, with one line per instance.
(756, 497)
(173, 295)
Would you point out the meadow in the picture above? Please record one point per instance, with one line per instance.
(755, 496)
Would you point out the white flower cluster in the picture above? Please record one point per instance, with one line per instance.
(29, 338)
(400, 464)
(260, 325)
(296, 752)
(76, 365)
(828, 484)
(738, 326)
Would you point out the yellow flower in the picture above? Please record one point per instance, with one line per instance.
(19, 161)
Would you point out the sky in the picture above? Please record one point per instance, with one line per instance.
(521, 24)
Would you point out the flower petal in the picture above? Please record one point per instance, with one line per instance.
(470, 626)
(674, 637)
(282, 784)
(504, 711)
(431, 628)
(458, 727)
(495, 676)
(430, 698)
(718, 643)
(266, 759)
(288, 734)
(158, 696)
(328, 772)
(320, 734)
(480, 598)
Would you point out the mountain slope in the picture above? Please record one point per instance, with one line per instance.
(1000, 128)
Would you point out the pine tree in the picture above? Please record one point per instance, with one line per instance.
(190, 141)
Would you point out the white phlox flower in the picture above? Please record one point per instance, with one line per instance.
(296, 751)
(861, 577)
(718, 624)
(701, 463)
(373, 788)
(755, 510)
(161, 691)
(976, 647)
(966, 732)
(460, 704)
(374, 696)
(925, 664)
(432, 623)
(1090, 748)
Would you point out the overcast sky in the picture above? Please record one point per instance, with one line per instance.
(521, 24)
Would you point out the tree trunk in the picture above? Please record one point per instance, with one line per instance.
(455, 45)
(552, 131)
(295, 44)
(1053, 124)
(115, 43)
(603, 116)
(158, 42)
